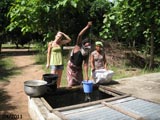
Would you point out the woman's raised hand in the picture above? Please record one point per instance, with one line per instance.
(89, 24)
(62, 33)
(59, 32)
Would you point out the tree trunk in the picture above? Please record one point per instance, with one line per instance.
(16, 45)
(0, 47)
(151, 60)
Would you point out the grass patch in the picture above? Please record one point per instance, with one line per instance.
(41, 58)
(13, 46)
(8, 45)
(7, 68)
(64, 74)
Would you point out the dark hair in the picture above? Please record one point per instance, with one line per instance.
(86, 40)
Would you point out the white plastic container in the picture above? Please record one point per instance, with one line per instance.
(102, 76)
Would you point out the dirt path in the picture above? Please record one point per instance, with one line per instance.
(14, 101)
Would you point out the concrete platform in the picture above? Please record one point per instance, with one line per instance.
(144, 86)
(120, 106)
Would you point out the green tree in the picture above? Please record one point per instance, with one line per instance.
(45, 16)
(4, 21)
(133, 20)
(97, 10)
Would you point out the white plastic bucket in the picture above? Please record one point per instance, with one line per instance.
(102, 76)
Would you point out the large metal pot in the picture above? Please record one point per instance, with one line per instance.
(35, 88)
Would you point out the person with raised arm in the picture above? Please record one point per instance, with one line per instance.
(78, 59)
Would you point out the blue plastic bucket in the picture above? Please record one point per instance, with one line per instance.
(87, 86)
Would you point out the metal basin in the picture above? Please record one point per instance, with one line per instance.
(35, 88)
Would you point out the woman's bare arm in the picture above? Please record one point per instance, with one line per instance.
(79, 38)
(105, 62)
(85, 66)
(67, 40)
(92, 63)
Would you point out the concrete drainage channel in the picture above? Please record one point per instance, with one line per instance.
(104, 103)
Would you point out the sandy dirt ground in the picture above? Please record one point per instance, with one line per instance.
(13, 101)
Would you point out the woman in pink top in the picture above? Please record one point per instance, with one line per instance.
(98, 58)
